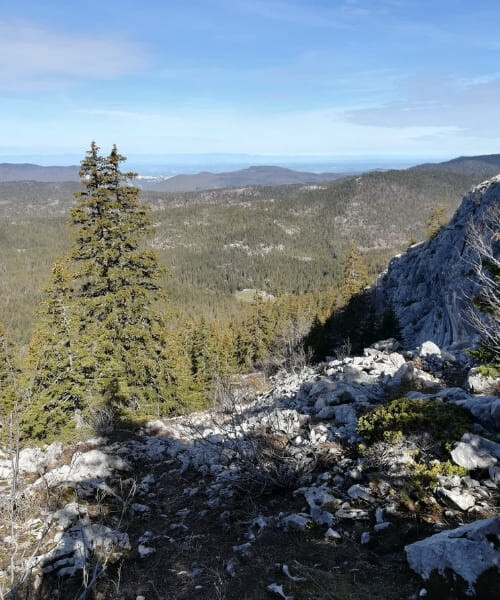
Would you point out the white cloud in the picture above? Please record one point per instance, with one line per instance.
(231, 130)
(439, 101)
(34, 58)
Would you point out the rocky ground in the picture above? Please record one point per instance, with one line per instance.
(272, 496)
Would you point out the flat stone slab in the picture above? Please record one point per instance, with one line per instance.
(467, 551)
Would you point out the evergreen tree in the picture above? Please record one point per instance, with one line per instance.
(55, 386)
(183, 391)
(4, 362)
(436, 220)
(355, 274)
(7, 374)
(390, 326)
(118, 329)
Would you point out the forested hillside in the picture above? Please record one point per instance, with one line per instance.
(111, 359)
(277, 239)
(484, 166)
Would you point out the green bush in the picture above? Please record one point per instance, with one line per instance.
(489, 371)
(444, 423)
(425, 475)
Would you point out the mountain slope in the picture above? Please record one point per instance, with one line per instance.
(30, 172)
(260, 175)
(430, 287)
(485, 165)
(291, 238)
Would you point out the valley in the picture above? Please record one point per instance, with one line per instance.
(280, 239)
(246, 469)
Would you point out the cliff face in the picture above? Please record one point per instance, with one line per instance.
(430, 286)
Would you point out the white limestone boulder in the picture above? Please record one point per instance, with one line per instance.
(480, 384)
(467, 552)
(428, 348)
(475, 452)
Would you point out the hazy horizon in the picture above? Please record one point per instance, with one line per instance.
(173, 164)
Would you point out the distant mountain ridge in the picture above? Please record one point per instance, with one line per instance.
(255, 175)
(31, 172)
(484, 165)
(266, 175)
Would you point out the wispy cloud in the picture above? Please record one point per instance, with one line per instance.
(439, 101)
(34, 58)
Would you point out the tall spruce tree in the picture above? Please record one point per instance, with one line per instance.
(120, 345)
(7, 375)
(4, 361)
(355, 274)
(55, 386)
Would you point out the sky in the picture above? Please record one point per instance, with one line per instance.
(339, 78)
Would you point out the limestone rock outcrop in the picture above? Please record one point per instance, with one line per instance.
(466, 552)
(430, 286)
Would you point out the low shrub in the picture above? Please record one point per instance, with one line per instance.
(443, 423)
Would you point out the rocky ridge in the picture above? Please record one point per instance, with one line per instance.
(190, 506)
(430, 286)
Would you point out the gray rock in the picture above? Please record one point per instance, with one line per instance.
(321, 517)
(95, 463)
(77, 545)
(322, 386)
(345, 414)
(404, 375)
(315, 496)
(478, 384)
(486, 409)
(398, 360)
(456, 498)
(475, 452)
(231, 567)
(357, 492)
(278, 590)
(353, 375)
(32, 460)
(333, 534)
(352, 514)
(296, 521)
(467, 551)
(388, 345)
(139, 509)
(356, 473)
(65, 516)
(428, 349)
(53, 453)
(145, 551)
(429, 286)
(326, 413)
(494, 473)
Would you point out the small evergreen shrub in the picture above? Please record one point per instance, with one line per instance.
(444, 423)
(425, 475)
(489, 371)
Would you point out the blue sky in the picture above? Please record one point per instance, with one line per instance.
(337, 77)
